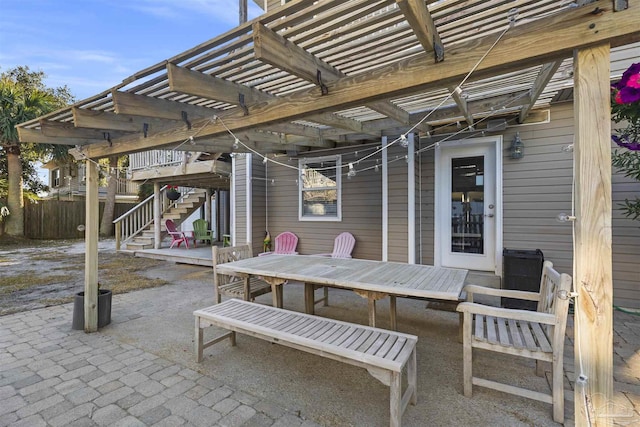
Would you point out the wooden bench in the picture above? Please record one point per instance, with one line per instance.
(383, 353)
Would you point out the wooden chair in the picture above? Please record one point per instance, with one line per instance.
(232, 286)
(201, 231)
(342, 247)
(177, 237)
(285, 244)
(536, 335)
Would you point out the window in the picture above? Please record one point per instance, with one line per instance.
(55, 178)
(320, 189)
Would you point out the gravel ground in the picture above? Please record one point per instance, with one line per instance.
(38, 273)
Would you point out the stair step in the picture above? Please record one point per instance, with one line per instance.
(133, 246)
(143, 240)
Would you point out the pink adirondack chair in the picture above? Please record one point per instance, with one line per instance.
(342, 246)
(285, 244)
(177, 237)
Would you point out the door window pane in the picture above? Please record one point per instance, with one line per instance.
(467, 205)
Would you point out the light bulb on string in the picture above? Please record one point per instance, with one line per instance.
(352, 171)
(264, 160)
(404, 142)
(236, 144)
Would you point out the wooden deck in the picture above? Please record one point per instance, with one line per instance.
(194, 256)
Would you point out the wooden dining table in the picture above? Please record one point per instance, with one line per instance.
(373, 280)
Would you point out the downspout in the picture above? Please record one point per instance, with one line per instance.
(249, 201)
(411, 200)
(232, 202)
(385, 201)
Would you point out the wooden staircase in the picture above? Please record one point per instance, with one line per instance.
(137, 226)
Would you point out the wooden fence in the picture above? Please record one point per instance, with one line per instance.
(59, 219)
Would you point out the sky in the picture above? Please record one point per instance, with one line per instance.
(92, 45)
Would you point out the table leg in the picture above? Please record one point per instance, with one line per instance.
(392, 308)
(247, 288)
(309, 298)
(372, 312)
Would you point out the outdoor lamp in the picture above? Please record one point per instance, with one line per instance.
(517, 147)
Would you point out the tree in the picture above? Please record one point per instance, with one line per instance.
(626, 109)
(23, 97)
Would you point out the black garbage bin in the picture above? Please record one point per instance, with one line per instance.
(522, 270)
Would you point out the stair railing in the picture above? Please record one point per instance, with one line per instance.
(135, 220)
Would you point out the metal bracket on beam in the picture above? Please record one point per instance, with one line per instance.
(107, 137)
(324, 89)
(145, 129)
(242, 104)
(620, 5)
(438, 50)
(186, 119)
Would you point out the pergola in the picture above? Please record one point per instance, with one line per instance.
(329, 74)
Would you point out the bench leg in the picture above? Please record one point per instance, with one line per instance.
(412, 378)
(396, 399)
(198, 341)
(326, 296)
(467, 361)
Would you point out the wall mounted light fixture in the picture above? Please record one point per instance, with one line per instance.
(517, 147)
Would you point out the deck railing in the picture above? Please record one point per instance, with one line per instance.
(155, 158)
(131, 223)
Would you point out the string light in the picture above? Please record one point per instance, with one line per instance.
(264, 160)
(236, 144)
(404, 142)
(352, 171)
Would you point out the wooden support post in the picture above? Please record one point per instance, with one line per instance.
(207, 209)
(592, 256)
(157, 217)
(91, 249)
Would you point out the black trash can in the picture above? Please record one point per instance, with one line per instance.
(522, 270)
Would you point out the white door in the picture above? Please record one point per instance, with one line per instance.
(467, 204)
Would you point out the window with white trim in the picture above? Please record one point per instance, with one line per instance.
(55, 178)
(320, 189)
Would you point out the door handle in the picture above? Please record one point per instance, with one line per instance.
(489, 215)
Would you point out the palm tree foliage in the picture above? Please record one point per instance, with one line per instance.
(23, 97)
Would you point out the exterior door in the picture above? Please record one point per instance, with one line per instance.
(467, 206)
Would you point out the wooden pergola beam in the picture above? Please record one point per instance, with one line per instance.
(420, 20)
(68, 130)
(140, 105)
(280, 52)
(84, 118)
(199, 84)
(521, 47)
(544, 76)
(211, 87)
(461, 102)
(36, 136)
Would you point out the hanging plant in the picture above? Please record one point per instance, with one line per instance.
(625, 108)
(172, 192)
